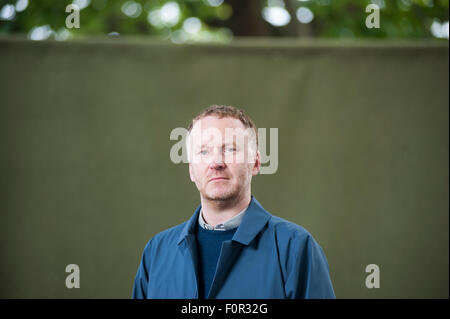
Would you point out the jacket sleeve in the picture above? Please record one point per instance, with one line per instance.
(141, 279)
(308, 275)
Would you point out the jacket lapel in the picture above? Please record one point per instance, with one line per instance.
(255, 219)
(187, 243)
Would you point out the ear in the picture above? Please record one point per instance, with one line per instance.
(191, 174)
(257, 165)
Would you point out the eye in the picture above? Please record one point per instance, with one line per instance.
(230, 149)
(203, 152)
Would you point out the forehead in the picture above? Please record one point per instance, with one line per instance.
(205, 129)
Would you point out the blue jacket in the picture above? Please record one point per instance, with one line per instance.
(268, 257)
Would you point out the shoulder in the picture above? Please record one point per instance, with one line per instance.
(165, 238)
(290, 235)
(294, 243)
(280, 226)
(287, 228)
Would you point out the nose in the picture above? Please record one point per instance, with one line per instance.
(218, 161)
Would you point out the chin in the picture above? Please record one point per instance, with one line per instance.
(220, 195)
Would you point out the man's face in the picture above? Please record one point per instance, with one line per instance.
(220, 166)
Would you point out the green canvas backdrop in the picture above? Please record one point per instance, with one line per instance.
(86, 176)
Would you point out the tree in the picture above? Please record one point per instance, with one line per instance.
(217, 20)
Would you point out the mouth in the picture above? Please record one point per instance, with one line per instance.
(218, 179)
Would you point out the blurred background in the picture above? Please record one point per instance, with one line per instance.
(86, 115)
(220, 20)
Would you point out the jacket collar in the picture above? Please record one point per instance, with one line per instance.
(231, 223)
(255, 218)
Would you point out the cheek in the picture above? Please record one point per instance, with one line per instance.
(241, 172)
(198, 171)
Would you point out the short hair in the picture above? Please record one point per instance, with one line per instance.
(221, 111)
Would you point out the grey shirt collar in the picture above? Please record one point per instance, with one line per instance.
(231, 223)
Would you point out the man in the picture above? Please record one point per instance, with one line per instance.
(231, 247)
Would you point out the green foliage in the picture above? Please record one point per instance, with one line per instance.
(332, 18)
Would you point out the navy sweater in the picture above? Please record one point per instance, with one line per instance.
(209, 246)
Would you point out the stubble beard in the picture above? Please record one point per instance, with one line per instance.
(225, 198)
(229, 197)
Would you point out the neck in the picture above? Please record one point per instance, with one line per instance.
(217, 211)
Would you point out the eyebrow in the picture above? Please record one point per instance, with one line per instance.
(225, 144)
